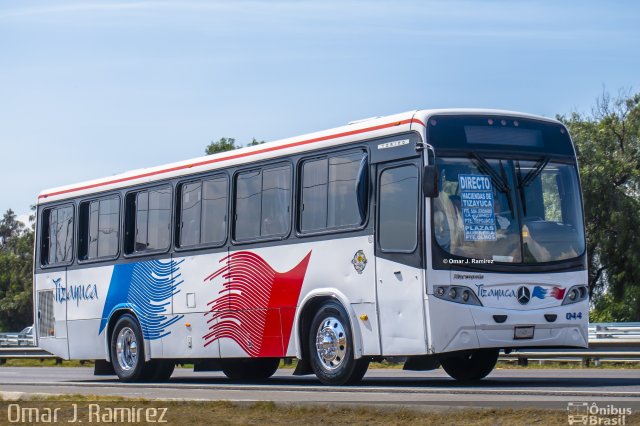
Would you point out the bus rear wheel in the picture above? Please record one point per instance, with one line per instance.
(331, 347)
(475, 365)
(127, 354)
(250, 368)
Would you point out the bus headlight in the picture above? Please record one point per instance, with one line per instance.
(573, 294)
(576, 294)
(457, 294)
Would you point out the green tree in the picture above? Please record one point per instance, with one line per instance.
(255, 142)
(227, 144)
(222, 145)
(608, 148)
(9, 227)
(16, 273)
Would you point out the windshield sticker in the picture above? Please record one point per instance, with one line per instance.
(476, 193)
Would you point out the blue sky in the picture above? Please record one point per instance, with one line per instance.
(94, 88)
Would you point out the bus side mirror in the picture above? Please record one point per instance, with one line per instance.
(430, 181)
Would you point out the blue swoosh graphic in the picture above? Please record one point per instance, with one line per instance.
(539, 292)
(147, 289)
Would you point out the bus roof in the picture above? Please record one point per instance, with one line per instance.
(356, 130)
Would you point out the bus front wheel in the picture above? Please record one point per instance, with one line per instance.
(331, 349)
(471, 366)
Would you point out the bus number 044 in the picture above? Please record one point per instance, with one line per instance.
(574, 315)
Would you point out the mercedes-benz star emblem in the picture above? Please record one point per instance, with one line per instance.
(524, 295)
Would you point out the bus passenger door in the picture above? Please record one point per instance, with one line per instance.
(399, 274)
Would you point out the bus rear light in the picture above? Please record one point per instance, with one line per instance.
(576, 294)
(457, 294)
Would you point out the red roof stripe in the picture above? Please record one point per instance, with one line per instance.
(231, 157)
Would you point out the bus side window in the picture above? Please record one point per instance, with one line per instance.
(190, 214)
(215, 202)
(148, 214)
(98, 230)
(57, 240)
(262, 203)
(203, 212)
(334, 192)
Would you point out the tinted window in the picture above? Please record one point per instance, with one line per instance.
(498, 133)
(315, 177)
(150, 220)
(57, 244)
(343, 201)
(108, 225)
(214, 210)
(248, 201)
(263, 203)
(142, 217)
(191, 210)
(204, 212)
(159, 219)
(99, 228)
(92, 237)
(398, 215)
(276, 195)
(330, 193)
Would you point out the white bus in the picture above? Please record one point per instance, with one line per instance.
(438, 236)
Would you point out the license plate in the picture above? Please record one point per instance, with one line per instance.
(523, 332)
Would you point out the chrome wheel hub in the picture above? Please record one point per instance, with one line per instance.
(127, 349)
(331, 343)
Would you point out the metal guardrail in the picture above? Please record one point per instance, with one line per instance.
(607, 342)
(16, 341)
(24, 352)
(629, 330)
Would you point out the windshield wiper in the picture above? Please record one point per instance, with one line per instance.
(524, 182)
(500, 181)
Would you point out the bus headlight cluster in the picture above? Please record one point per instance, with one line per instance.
(457, 294)
(577, 293)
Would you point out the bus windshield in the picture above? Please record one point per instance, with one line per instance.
(508, 210)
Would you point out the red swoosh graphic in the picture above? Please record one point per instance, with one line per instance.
(257, 306)
(558, 292)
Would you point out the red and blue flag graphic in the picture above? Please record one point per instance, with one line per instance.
(541, 293)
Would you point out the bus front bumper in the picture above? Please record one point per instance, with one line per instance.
(455, 327)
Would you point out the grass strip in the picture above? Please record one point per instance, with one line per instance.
(96, 409)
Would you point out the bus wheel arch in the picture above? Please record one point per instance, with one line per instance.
(129, 350)
(111, 323)
(306, 325)
(308, 308)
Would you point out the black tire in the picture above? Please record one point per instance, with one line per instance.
(471, 366)
(158, 370)
(250, 369)
(334, 364)
(135, 369)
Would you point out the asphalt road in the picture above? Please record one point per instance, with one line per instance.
(541, 388)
